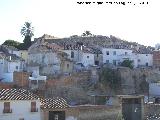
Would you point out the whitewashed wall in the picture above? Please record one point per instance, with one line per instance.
(87, 59)
(12, 66)
(20, 109)
(145, 58)
(1, 67)
(8, 77)
(120, 54)
(154, 89)
(16, 53)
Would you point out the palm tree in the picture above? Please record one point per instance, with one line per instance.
(27, 33)
(27, 30)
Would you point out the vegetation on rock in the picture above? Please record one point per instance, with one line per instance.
(127, 63)
(110, 77)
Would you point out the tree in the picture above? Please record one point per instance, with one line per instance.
(27, 33)
(86, 33)
(127, 63)
(11, 43)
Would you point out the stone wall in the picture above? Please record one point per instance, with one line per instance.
(88, 113)
(21, 79)
(132, 79)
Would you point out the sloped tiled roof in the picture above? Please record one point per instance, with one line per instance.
(56, 103)
(22, 94)
(17, 94)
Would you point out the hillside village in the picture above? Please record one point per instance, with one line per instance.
(80, 78)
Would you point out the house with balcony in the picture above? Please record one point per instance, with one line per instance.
(19, 104)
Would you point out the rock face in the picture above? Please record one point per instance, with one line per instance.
(136, 80)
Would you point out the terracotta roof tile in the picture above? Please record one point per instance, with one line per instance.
(16, 94)
(58, 103)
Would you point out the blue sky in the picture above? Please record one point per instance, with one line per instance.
(62, 18)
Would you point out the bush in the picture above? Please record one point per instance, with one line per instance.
(127, 63)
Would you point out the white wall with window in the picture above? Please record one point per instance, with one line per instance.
(14, 66)
(20, 110)
(87, 59)
(115, 56)
(144, 60)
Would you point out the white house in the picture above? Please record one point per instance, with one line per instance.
(19, 104)
(144, 59)
(115, 56)
(87, 58)
(9, 64)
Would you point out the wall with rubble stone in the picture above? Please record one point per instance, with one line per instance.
(89, 113)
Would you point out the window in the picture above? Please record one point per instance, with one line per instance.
(87, 56)
(21, 118)
(7, 107)
(67, 65)
(33, 107)
(139, 60)
(107, 52)
(114, 62)
(126, 53)
(56, 117)
(72, 54)
(17, 67)
(97, 55)
(107, 61)
(114, 52)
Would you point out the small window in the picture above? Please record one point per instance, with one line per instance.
(17, 67)
(107, 52)
(126, 53)
(114, 62)
(87, 56)
(114, 52)
(72, 54)
(67, 65)
(6, 107)
(56, 117)
(139, 60)
(97, 55)
(107, 61)
(33, 107)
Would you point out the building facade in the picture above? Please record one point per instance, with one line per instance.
(19, 105)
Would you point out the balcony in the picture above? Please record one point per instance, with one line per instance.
(7, 110)
(34, 109)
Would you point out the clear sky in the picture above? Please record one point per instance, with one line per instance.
(63, 18)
